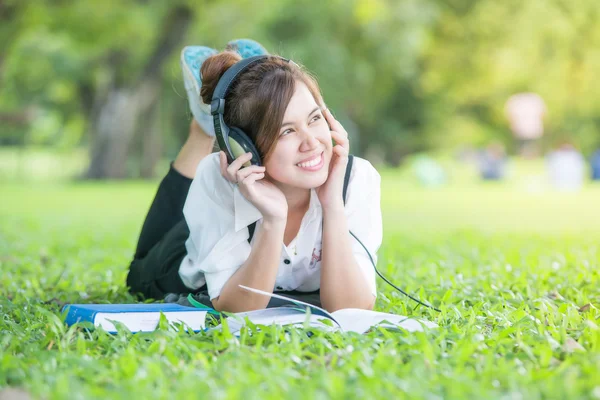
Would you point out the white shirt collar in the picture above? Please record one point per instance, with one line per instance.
(246, 213)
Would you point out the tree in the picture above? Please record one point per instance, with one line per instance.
(118, 115)
(410, 75)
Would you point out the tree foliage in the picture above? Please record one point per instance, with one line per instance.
(404, 75)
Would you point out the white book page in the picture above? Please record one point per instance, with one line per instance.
(278, 316)
(266, 316)
(313, 309)
(148, 321)
(349, 319)
(360, 321)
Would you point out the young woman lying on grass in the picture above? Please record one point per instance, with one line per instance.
(195, 236)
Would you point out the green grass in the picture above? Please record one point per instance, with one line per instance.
(509, 267)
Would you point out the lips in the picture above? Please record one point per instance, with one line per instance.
(312, 164)
(307, 160)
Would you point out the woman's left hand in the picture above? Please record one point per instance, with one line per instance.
(330, 193)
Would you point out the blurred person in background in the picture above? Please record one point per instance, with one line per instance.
(492, 162)
(525, 113)
(595, 164)
(566, 167)
(428, 171)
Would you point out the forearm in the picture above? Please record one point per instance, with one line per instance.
(259, 271)
(343, 284)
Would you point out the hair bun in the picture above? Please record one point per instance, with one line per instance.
(213, 69)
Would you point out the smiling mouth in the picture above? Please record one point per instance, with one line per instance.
(312, 165)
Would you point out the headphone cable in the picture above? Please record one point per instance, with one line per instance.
(390, 283)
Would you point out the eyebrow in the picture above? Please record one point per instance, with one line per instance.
(310, 113)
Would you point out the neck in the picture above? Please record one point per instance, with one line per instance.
(297, 199)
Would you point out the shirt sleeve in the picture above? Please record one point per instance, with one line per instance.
(363, 213)
(215, 250)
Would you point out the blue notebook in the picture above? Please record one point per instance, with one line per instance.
(136, 317)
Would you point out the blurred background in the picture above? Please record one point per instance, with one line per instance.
(445, 90)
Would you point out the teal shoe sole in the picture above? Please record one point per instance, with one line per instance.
(247, 48)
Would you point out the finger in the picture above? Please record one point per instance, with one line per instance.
(223, 164)
(339, 136)
(239, 161)
(340, 139)
(333, 123)
(340, 151)
(341, 133)
(237, 164)
(339, 154)
(249, 180)
(244, 172)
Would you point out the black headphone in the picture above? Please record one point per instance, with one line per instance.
(231, 139)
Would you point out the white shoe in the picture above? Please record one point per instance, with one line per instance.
(192, 58)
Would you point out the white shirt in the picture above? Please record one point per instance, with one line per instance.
(218, 216)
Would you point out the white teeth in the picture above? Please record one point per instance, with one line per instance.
(309, 164)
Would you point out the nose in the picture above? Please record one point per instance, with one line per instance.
(309, 140)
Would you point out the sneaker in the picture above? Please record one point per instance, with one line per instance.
(247, 48)
(192, 58)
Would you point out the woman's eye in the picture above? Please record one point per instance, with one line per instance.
(316, 118)
(286, 132)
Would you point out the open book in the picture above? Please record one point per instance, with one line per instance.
(294, 312)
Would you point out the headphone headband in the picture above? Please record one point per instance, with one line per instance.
(217, 104)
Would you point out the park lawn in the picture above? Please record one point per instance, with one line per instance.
(514, 271)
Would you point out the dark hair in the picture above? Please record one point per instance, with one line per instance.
(257, 100)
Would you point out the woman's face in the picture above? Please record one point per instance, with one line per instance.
(303, 150)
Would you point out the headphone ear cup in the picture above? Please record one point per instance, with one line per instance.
(240, 144)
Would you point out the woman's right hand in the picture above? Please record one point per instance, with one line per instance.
(264, 195)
